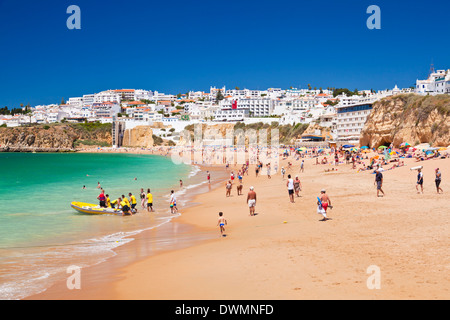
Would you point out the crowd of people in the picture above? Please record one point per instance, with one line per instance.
(127, 205)
(357, 158)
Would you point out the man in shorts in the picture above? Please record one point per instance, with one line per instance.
(102, 199)
(251, 201)
(290, 186)
(149, 197)
(324, 203)
(133, 202)
(419, 181)
(125, 208)
(379, 182)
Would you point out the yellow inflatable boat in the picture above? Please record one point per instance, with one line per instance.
(89, 208)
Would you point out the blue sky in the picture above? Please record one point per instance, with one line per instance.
(177, 46)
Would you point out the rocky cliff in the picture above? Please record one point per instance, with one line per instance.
(138, 137)
(53, 138)
(408, 118)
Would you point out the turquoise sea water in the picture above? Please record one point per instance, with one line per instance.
(38, 226)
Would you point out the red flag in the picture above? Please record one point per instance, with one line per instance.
(234, 106)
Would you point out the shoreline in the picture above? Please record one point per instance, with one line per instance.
(285, 253)
(174, 235)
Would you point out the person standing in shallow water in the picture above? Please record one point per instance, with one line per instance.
(142, 196)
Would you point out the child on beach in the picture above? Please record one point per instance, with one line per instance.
(222, 223)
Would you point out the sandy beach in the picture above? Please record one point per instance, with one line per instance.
(284, 252)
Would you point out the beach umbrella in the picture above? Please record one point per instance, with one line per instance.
(348, 146)
(365, 147)
(366, 151)
(382, 147)
(404, 145)
(442, 149)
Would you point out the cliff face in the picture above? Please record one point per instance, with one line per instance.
(53, 138)
(408, 118)
(138, 137)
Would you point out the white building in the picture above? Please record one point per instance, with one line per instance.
(106, 109)
(229, 114)
(438, 82)
(261, 107)
(88, 100)
(75, 102)
(108, 96)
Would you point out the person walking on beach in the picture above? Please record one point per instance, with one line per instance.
(208, 176)
(302, 166)
(228, 187)
(297, 186)
(419, 181)
(251, 200)
(438, 181)
(290, 186)
(379, 182)
(222, 223)
(149, 197)
(324, 203)
(239, 189)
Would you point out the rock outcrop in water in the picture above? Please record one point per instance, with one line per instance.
(408, 118)
(53, 138)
